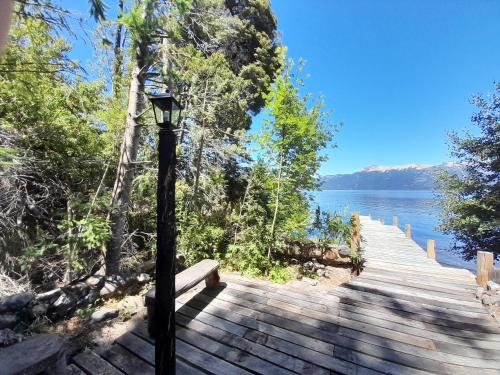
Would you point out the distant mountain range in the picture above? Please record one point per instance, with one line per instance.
(376, 177)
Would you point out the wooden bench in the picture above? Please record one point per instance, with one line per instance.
(206, 270)
(34, 355)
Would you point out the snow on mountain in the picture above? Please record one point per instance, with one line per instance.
(379, 177)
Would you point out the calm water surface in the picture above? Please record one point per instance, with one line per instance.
(417, 208)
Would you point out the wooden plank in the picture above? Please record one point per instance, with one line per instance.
(251, 322)
(279, 344)
(424, 291)
(93, 364)
(317, 319)
(141, 348)
(44, 351)
(231, 354)
(183, 368)
(74, 370)
(466, 307)
(383, 351)
(484, 267)
(431, 249)
(355, 330)
(261, 351)
(422, 312)
(313, 353)
(126, 361)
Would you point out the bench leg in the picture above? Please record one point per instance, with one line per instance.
(212, 279)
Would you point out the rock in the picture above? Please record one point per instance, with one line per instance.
(308, 266)
(479, 292)
(294, 261)
(8, 320)
(143, 278)
(309, 281)
(39, 310)
(64, 305)
(487, 300)
(495, 300)
(317, 265)
(104, 314)
(331, 254)
(493, 286)
(9, 337)
(50, 296)
(321, 272)
(148, 266)
(15, 302)
(108, 289)
(344, 251)
(94, 281)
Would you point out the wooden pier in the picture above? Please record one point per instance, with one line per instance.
(405, 314)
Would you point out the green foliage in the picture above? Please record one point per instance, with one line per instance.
(471, 203)
(291, 141)
(280, 274)
(330, 229)
(357, 261)
(85, 313)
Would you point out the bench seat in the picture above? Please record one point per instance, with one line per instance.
(206, 270)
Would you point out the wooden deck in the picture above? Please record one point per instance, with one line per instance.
(405, 314)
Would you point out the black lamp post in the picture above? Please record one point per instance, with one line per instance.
(167, 114)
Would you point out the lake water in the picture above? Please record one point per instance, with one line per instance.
(417, 208)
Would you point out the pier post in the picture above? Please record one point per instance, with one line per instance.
(408, 231)
(431, 249)
(484, 267)
(395, 221)
(356, 233)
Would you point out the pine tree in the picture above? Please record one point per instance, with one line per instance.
(471, 203)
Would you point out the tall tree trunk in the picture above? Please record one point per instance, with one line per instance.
(273, 225)
(125, 171)
(71, 245)
(118, 62)
(200, 149)
(247, 190)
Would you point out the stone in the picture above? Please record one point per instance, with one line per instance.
(50, 296)
(487, 300)
(321, 272)
(39, 310)
(317, 265)
(104, 314)
(108, 289)
(331, 254)
(143, 278)
(15, 302)
(495, 300)
(344, 251)
(493, 286)
(94, 281)
(9, 337)
(308, 266)
(309, 281)
(64, 305)
(479, 292)
(294, 261)
(8, 320)
(148, 266)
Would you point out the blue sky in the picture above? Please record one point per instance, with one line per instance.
(397, 73)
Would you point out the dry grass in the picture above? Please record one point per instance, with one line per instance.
(9, 286)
